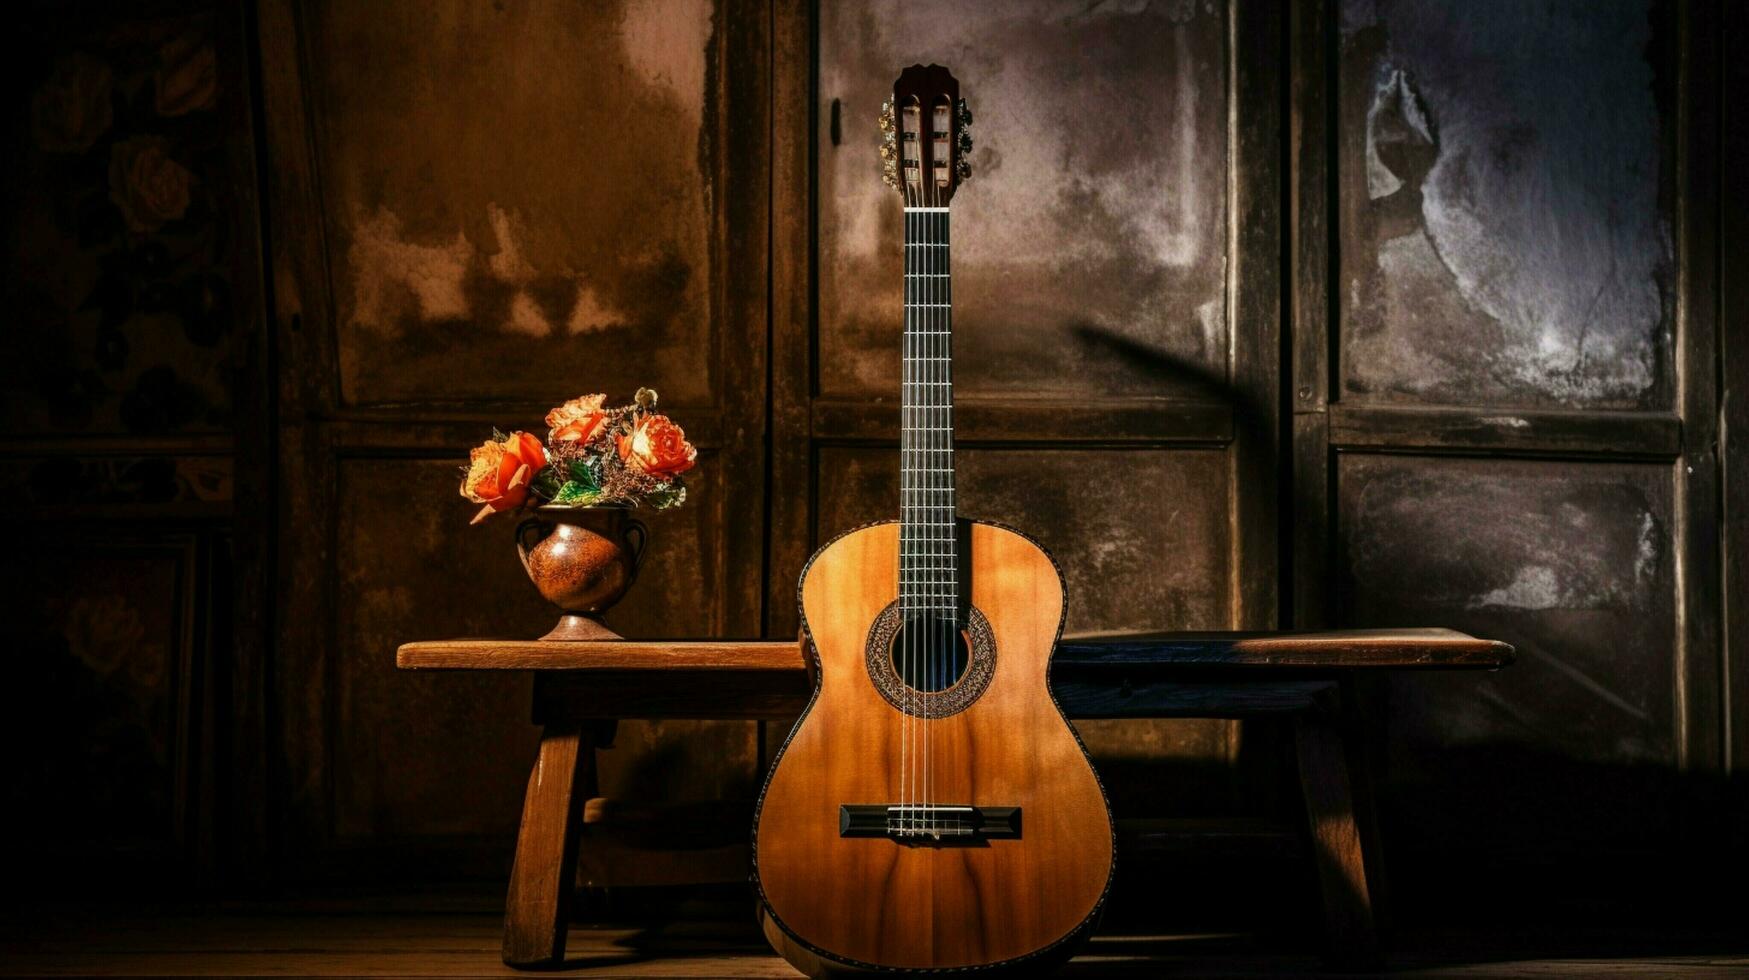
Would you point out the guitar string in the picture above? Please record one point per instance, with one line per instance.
(930, 587)
(945, 635)
(913, 645)
(931, 575)
(908, 576)
(932, 478)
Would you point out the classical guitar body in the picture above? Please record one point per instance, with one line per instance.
(1030, 879)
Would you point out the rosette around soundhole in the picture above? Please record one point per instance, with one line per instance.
(883, 663)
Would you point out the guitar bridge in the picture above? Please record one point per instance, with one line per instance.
(933, 823)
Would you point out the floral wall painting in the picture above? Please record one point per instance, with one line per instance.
(121, 229)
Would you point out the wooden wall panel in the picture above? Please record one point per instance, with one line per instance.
(1096, 216)
(1506, 181)
(1106, 516)
(1573, 564)
(510, 189)
(405, 567)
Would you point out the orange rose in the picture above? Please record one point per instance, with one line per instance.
(578, 420)
(146, 184)
(656, 447)
(499, 473)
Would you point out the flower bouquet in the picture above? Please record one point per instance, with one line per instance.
(593, 456)
(582, 548)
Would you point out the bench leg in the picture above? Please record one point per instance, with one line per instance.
(537, 910)
(1335, 840)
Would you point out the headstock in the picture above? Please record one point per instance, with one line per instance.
(925, 137)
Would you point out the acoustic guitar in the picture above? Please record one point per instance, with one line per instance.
(932, 808)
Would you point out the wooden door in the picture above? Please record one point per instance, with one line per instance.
(480, 211)
(1116, 310)
(1505, 398)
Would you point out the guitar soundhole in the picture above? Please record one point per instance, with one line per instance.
(930, 668)
(930, 653)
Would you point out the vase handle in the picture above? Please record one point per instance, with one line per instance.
(522, 546)
(643, 536)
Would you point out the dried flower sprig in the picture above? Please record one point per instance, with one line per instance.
(593, 456)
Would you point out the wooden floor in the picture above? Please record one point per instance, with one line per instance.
(438, 936)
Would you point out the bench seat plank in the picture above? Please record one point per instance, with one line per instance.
(1340, 650)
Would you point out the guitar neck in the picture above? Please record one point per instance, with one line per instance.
(926, 533)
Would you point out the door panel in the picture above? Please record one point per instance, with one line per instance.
(1096, 214)
(1506, 175)
(492, 229)
(1572, 564)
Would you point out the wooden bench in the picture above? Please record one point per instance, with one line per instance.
(580, 689)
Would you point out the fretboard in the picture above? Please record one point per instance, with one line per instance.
(927, 551)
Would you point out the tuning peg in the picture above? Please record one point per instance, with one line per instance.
(965, 141)
(964, 111)
(886, 121)
(962, 169)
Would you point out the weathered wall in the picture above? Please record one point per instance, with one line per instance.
(1505, 174)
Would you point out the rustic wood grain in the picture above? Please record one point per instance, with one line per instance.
(1393, 649)
(1254, 236)
(873, 901)
(1336, 845)
(536, 912)
(1701, 732)
(667, 655)
(1734, 404)
(1381, 649)
(1507, 430)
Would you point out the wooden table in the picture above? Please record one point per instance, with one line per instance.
(579, 687)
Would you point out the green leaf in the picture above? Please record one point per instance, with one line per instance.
(587, 471)
(671, 495)
(546, 483)
(575, 494)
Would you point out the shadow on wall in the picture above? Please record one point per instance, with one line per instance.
(1556, 776)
